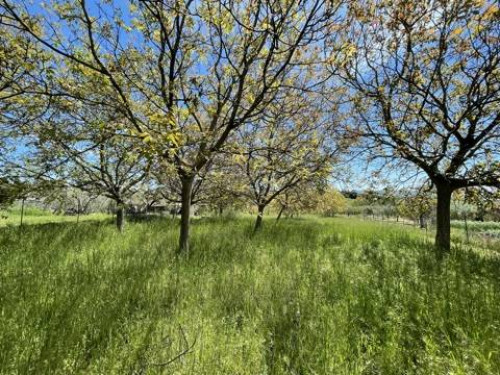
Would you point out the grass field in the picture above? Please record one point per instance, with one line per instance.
(478, 228)
(12, 217)
(310, 296)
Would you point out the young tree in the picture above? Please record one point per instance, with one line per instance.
(289, 145)
(12, 189)
(424, 78)
(63, 199)
(331, 202)
(300, 198)
(82, 152)
(417, 207)
(196, 70)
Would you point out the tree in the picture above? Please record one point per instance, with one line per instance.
(23, 70)
(12, 189)
(220, 185)
(196, 70)
(148, 195)
(417, 206)
(82, 152)
(63, 199)
(331, 202)
(300, 198)
(424, 84)
(287, 146)
(485, 200)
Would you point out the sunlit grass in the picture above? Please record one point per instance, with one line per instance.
(12, 217)
(305, 296)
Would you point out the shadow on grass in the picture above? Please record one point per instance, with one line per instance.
(75, 306)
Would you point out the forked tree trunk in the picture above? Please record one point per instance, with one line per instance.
(187, 188)
(443, 218)
(120, 217)
(260, 216)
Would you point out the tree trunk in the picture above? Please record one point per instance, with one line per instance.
(260, 216)
(22, 211)
(280, 213)
(120, 217)
(466, 228)
(443, 230)
(421, 219)
(78, 212)
(480, 214)
(187, 187)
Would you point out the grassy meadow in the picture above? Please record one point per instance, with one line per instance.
(33, 215)
(307, 296)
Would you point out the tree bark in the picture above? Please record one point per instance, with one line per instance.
(260, 216)
(22, 211)
(120, 217)
(78, 211)
(280, 213)
(443, 229)
(466, 228)
(480, 214)
(187, 187)
(422, 221)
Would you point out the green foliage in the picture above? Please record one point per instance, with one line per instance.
(6, 194)
(416, 206)
(331, 203)
(330, 296)
(10, 191)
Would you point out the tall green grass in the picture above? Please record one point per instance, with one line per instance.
(477, 226)
(330, 296)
